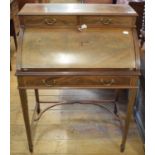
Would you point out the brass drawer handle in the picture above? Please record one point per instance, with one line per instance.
(49, 82)
(50, 21)
(107, 82)
(106, 21)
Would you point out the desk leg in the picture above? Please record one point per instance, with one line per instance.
(117, 92)
(132, 96)
(24, 104)
(37, 100)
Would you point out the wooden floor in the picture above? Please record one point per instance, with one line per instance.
(70, 129)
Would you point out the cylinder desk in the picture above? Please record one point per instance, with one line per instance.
(83, 46)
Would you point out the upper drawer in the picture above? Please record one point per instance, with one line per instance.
(49, 21)
(107, 20)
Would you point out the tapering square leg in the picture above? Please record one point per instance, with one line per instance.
(117, 92)
(24, 104)
(131, 101)
(37, 100)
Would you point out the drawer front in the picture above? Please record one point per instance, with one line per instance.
(75, 81)
(106, 20)
(50, 21)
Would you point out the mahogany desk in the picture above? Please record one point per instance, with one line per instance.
(58, 51)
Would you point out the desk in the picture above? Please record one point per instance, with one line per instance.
(92, 46)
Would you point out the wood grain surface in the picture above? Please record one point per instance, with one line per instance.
(63, 48)
(80, 9)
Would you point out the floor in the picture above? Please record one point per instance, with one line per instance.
(70, 129)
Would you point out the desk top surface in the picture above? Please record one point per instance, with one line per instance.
(77, 9)
(69, 48)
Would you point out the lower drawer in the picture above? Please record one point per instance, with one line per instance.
(75, 81)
